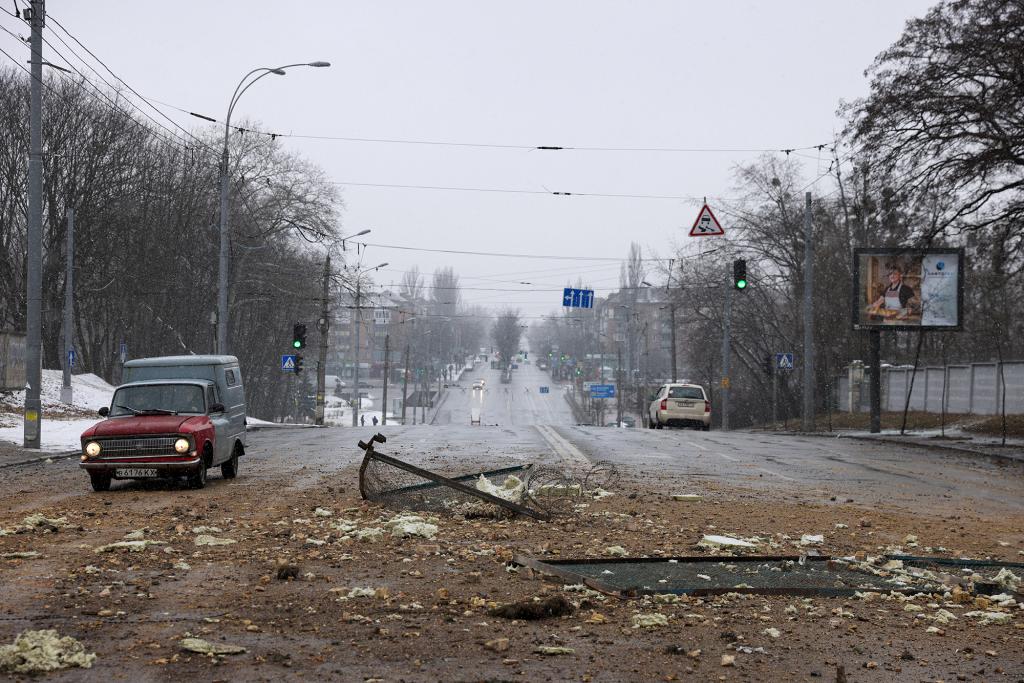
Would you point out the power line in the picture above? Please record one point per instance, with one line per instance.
(53, 19)
(484, 145)
(556, 257)
(174, 136)
(516, 191)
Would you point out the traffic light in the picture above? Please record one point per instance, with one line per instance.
(299, 336)
(739, 273)
(298, 363)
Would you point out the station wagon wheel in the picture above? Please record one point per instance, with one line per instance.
(229, 470)
(100, 481)
(197, 479)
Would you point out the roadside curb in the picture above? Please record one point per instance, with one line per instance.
(913, 443)
(257, 428)
(40, 459)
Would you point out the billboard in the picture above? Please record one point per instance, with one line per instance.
(908, 289)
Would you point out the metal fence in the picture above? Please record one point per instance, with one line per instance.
(970, 388)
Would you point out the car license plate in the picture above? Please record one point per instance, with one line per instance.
(685, 404)
(135, 472)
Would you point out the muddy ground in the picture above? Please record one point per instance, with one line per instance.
(282, 589)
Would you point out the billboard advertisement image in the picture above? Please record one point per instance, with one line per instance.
(907, 288)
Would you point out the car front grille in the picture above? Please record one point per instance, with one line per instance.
(138, 447)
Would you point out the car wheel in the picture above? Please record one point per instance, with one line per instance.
(197, 479)
(658, 425)
(229, 470)
(100, 481)
(650, 423)
(706, 428)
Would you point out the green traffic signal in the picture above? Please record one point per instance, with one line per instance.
(741, 284)
(297, 344)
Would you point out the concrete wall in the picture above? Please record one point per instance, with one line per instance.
(976, 388)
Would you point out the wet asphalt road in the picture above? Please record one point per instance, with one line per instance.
(527, 426)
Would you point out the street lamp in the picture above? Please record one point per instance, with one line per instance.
(355, 379)
(358, 234)
(222, 278)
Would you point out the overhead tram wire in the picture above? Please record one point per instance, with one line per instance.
(53, 19)
(553, 257)
(484, 145)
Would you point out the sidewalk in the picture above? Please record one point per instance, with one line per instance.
(955, 441)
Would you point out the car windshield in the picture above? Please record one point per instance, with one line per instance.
(686, 392)
(158, 399)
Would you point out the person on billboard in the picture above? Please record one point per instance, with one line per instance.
(896, 296)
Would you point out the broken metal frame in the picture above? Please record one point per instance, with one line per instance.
(371, 454)
(554, 568)
(522, 469)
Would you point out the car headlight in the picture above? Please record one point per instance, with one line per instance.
(182, 445)
(92, 449)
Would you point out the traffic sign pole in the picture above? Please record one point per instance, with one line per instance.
(726, 353)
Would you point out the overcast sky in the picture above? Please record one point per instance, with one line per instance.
(660, 74)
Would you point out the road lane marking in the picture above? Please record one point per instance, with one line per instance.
(695, 444)
(561, 446)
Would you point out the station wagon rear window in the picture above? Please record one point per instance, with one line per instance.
(686, 392)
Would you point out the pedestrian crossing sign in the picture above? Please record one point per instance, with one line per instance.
(288, 362)
(784, 361)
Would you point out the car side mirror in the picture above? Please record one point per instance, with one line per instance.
(216, 407)
(104, 411)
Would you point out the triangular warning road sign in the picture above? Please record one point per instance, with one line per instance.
(706, 224)
(289, 363)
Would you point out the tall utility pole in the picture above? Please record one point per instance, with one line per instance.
(726, 356)
(355, 392)
(405, 384)
(808, 417)
(875, 362)
(672, 321)
(66, 393)
(387, 376)
(34, 295)
(618, 389)
(321, 366)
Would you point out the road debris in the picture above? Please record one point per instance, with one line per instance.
(687, 497)
(652, 620)
(206, 539)
(537, 608)
(552, 650)
(388, 480)
(205, 647)
(130, 546)
(40, 522)
(809, 539)
(716, 541)
(23, 555)
(404, 526)
(42, 651)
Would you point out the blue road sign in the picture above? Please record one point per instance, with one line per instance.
(602, 391)
(578, 298)
(545, 390)
(784, 361)
(288, 362)
(72, 357)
